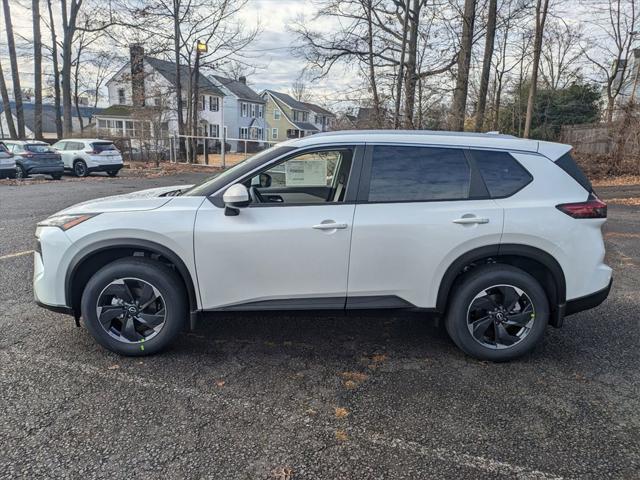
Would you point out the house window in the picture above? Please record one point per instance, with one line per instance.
(214, 104)
(129, 126)
(243, 107)
(276, 114)
(316, 119)
(260, 111)
(253, 110)
(203, 103)
(244, 132)
(305, 117)
(274, 133)
(214, 130)
(122, 97)
(156, 102)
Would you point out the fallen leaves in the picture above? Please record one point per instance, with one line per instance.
(220, 383)
(282, 473)
(341, 436)
(630, 201)
(113, 367)
(341, 412)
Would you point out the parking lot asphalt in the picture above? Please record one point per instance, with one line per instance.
(311, 396)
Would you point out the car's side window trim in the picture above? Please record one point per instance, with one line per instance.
(352, 182)
(477, 188)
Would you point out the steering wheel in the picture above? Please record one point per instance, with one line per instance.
(256, 196)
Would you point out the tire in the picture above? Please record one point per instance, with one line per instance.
(80, 168)
(112, 173)
(499, 334)
(56, 176)
(139, 340)
(21, 172)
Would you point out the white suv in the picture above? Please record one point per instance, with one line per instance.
(85, 155)
(501, 236)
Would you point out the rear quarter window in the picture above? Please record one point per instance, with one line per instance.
(569, 165)
(502, 174)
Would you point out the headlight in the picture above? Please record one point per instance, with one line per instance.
(65, 222)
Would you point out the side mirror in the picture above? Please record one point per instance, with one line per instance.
(235, 198)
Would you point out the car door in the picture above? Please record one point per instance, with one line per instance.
(419, 208)
(289, 253)
(61, 148)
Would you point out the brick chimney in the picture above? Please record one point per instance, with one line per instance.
(243, 79)
(136, 53)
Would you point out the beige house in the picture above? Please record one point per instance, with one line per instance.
(288, 118)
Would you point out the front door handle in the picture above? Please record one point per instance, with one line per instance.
(330, 226)
(470, 220)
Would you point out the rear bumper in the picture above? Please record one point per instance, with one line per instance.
(45, 169)
(113, 167)
(588, 301)
(7, 170)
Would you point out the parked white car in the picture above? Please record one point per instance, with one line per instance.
(83, 156)
(499, 235)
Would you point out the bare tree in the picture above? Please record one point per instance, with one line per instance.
(300, 91)
(6, 105)
(561, 55)
(542, 9)
(56, 71)
(617, 22)
(15, 74)
(458, 109)
(37, 69)
(490, 35)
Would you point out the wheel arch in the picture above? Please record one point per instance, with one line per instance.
(540, 264)
(93, 257)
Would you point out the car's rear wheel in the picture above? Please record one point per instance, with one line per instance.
(497, 313)
(134, 306)
(80, 168)
(112, 173)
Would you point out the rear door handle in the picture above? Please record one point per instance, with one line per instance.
(330, 226)
(470, 220)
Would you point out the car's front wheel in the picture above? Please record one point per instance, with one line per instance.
(21, 172)
(112, 173)
(497, 312)
(134, 306)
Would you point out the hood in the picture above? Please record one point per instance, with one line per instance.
(148, 199)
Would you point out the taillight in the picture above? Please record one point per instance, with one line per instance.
(592, 208)
(27, 155)
(91, 152)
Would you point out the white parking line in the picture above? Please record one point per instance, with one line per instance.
(447, 455)
(14, 255)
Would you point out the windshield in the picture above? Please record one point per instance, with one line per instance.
(218, 181)
(37, 148)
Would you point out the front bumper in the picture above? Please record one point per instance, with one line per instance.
(7, 171)
(588, 301)
(49, 267)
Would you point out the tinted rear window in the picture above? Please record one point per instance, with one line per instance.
(103, 147)
(37, 148)
(413, 174)
(569, 165)
(502, 174)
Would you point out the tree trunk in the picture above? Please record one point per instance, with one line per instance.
(69, 30)
(411, 76)
(368, 6)
(399, 80)
(176, 52)
(486, 64)
(56, 71)
(7, 106)
(464, 61)
(76, 81)
(541, 17)
(37, 69)
(15, 74)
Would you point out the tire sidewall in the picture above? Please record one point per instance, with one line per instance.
(156, 274)
(485, 277)
(84, 172)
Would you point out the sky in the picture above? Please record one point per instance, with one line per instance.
(270, 55)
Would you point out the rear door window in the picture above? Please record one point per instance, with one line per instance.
(502, 173)
(415, 174)
(37, 148)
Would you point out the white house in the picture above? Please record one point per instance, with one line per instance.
(243, 110)
(143, 100)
